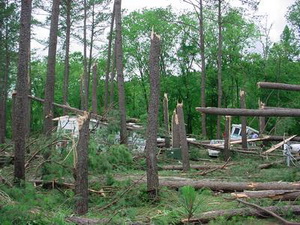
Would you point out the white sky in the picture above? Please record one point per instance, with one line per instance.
(274, 9)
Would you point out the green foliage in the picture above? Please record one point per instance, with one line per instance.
(189, 200)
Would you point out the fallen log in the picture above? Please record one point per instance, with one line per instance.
(211, 215)
(279, 144)
(231, 186)
(268, 165)
(271, 213)
(284, 195)
(86, 221)
(197, 167)
(278, 86)
(55, 184)
(281, 138)
(250, 112)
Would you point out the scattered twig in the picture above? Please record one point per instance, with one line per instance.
(284, 221)
(212, 170)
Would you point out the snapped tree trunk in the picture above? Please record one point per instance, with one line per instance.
(152, 127)
(85, 86)
(175, 131)
(50, 80)
(81, 170)
(226, 151)
(183, 140)
(108, 66)
(67, 63)
(95, 85)
(243, 120)
(262, 120)
(166, 121)
(120, 75)
(21, 104)
(220, 42)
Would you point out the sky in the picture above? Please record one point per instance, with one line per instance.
(274, 10)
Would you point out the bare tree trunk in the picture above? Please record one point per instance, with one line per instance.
(203, 70)
(262, 120)
(166, 121)
(22, 92)
(109, 60)
(283, 195)
(84, 99)
(279, 86)
(152, 127)
(67, 63)
(183, 141)
(119, 66)
(50, 80)
(91, 47)
(243, 120)
(226, 152)
(175, 131)
(112, 78)
(81, 170)
(220, 42)
(95, 86)
(28, 119)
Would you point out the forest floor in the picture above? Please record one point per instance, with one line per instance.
(120, 181)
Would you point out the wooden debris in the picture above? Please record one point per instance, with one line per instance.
(211, 215)
(268, 165)
(269, 212)
(284, 195)
(86, 221)
(279, 145)
(196, 167)
(212, 170)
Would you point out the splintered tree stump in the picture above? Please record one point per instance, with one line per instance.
(175, 131)
(81, 170)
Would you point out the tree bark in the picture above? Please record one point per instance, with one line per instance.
(250, 112)
(232, 186)
(284, 195)
(119, 66)
(152, 127)
(112, 78)
(81, 170)
(220, 42)
(91, 48)
(211, 215)
(278, 86)
(262, 120)
(95, 86)
(183, 141)
(175, 131)
(108, 67)
(203, 70)
(67, 63)
(50, 80)
(85, 95)
(226, 151)
(166, 121)
(243, 120)
(21, 105)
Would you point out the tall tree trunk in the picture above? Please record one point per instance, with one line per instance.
(226, 151)
(5, 64)
(166, 121)
(95, 85)
(220, 43)
(183, 141)
(28, 119)
(22, 93)
(81, 170)
(152, 127)
(50, 80)
(112, 78)
(91, 46)
(84, 99)
(119, 66)
(109, 60)
(67, 52)
(203, 71)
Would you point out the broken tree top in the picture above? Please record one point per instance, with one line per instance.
(250, 112)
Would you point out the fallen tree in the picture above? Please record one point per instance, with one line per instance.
(231, 186)
(211, 215)
(284, 195)
(268, 165)
(278, 86)
(197, 167)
